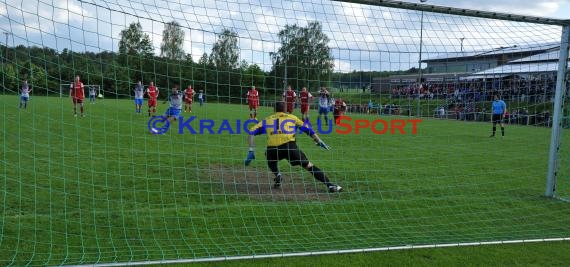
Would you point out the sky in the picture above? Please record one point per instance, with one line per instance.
(361, 37)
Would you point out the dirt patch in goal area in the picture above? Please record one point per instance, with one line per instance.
(258, 183)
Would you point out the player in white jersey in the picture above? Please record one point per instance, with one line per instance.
(139, 96)
(25, 95)
(175, 99)
(201, 98)
(92, 94)
(324, 105)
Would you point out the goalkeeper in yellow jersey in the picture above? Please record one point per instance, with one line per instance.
(280, 129)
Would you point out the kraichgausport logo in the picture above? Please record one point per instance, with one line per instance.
(344, 125)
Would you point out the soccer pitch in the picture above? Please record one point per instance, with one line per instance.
(102, 189)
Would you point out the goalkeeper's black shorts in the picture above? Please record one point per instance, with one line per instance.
(497, 118)
(288, 151)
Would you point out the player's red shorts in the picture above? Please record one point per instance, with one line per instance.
(337, 115)
(77, 100)
(253, 105)
(304, 108)
(289, 107)
(188, 101)
(152, 102)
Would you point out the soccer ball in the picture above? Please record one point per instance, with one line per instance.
(154, 131)
(100, 96)
(157, 131)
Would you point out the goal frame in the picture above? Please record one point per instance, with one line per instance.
(561, 81)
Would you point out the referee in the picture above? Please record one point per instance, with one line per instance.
(499, 110)
(280, 129)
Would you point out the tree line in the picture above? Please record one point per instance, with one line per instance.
(303, 59)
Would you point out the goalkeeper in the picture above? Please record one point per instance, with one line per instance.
(280, 130)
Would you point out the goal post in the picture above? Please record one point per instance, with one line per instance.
(558, 106)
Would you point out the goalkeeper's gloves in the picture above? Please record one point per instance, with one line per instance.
(323, 145)
(250, 157)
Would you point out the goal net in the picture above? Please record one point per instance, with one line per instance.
(413, 152)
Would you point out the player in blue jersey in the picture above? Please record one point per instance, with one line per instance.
(499, 108)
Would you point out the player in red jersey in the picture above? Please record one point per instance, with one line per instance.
(188, 97)
(289, 98)
(253, 101)
(152, 93)
(339, 109)
(305, 97)
(77, 94)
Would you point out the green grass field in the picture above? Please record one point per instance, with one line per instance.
(103, 189)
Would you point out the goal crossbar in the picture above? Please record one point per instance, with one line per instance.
(460, 11)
